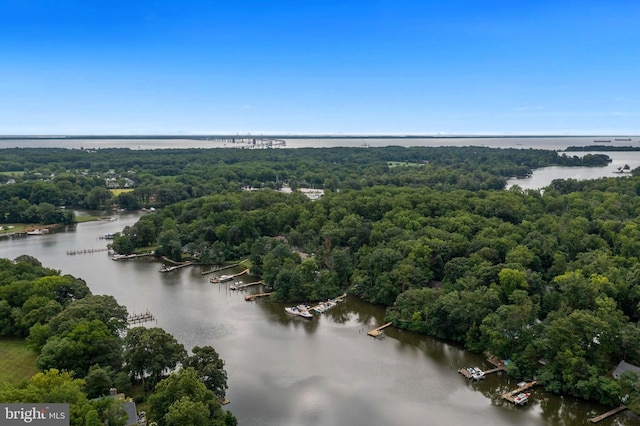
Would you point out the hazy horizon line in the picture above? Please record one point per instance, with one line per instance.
(313, 135)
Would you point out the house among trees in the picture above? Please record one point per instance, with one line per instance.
(623, 367)
(129, 406)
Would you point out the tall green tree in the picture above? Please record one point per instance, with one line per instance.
(183, 399)
(151, 352)
(210, 368)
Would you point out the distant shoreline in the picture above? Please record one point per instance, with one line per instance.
(297, 136)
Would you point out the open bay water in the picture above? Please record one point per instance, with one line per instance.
(536, 142)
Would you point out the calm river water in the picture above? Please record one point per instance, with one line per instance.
(287, 371)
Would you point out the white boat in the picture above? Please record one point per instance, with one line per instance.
(521, 398)
(321, 308)
(35, 232)
(300, 310)
(330, 304)
(221, 279)
(478, 374)
(304, 313)
(291, 310)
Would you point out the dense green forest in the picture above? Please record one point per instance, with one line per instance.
(85, 349)
(549, 280)
(42, 179)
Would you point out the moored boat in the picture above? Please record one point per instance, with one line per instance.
(36, 232)
(478, 374)
(521, 398)
(221, 279)
(300, 310)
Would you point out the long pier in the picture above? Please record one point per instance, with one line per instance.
(495, 370)
(608, 414)
(230, 277)
(166, 268)
(140, 318)
(467, 374)
(376, 332)
(511, 395)
(85, 251)
(129, 256)
(221, 268)
(241, 287)
(336, 299)
(252, 297)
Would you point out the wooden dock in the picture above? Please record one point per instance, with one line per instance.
(129, 256)
(140, 318)
(465, 373)
(252, 297)
(86, 251)
(341, 297)
(166, 268)
(228, 278)
(511, 395)
(376, 332)
(221, 268)
(496, 362)
(495, 370)
(608, 414)
(243, 286)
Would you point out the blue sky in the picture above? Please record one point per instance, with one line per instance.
(319, 67)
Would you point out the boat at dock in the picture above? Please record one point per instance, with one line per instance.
(478, 374)
(225, 278)
(300, 310)
(38, 232)
(123, 256)
(522, 398)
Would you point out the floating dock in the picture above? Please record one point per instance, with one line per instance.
(376, 332)
(608, 414)
(510, 396)
(252, 297)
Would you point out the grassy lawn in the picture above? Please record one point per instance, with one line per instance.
(15, 227)
(85, 218)
(119, 191)
(17, 362)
